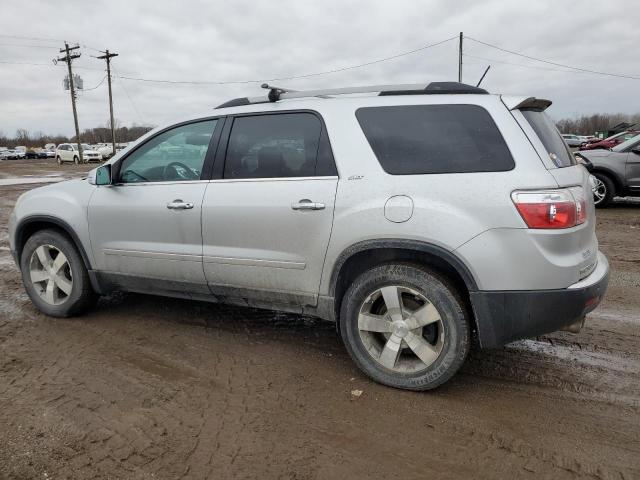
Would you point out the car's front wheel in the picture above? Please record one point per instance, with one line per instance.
(54, 275)
(405, 326)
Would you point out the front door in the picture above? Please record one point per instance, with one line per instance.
(145, 228)
(633, 169)
(266, 223)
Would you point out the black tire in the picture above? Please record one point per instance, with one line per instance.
(444, 298)
(59, 160)
(610, 190)
(76, 160)
(81, 296)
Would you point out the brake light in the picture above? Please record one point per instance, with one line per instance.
(561, 208)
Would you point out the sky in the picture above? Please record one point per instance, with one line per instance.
(239, 40)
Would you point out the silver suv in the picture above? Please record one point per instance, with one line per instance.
(416, 217)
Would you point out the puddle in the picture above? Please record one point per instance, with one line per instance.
(28, 180)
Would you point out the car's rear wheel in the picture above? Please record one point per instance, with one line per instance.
(59, 160)
(603, 190)
(76, 160)
(54, 275)
(405, 327)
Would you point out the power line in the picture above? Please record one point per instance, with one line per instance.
(32, 38)
(493, 60)
(586, 70)
(93, 88)
(127, 94)
(27, 63)
(291, 77)
(28, 46)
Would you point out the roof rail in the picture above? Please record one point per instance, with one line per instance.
(433, 88)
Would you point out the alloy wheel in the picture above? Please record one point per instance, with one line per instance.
(401, 329)
(599, 190)
(50, 274)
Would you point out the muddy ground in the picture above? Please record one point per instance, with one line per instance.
(148, 387)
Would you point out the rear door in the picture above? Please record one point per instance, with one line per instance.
(268, 213)
(147, 224)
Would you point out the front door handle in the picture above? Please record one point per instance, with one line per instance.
(179, 205)
(306, 204)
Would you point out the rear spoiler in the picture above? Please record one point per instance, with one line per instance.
(529, 103)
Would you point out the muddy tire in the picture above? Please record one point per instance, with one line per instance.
(604, 192)
(405, 326)
(76, 160)
(59, 160)
(55, 276)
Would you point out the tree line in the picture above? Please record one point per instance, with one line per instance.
(582, 125)
(598, 122)
(90, 135)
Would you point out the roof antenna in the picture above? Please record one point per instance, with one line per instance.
(275, 92)
(482, 77)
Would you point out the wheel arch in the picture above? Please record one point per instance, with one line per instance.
(615, 178)
(32, 224)
(363, 255)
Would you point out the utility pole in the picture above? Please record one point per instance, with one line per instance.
(67, 59)
(108, 56)
(460, 59)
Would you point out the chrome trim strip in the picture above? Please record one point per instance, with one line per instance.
(254, 262)
(251, 262)
(154, 255)
(275, 179)
(144, 184)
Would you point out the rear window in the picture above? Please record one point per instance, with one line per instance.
(427, 139)
(550, 137)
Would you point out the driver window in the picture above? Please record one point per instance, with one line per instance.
(176, 155)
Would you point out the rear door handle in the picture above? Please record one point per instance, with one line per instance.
(179, 205)
(306, 204)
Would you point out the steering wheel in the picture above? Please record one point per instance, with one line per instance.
(131, 172)
(180, 171)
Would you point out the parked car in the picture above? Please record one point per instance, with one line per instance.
(7, 154)
(68, 152)
(35, 153)
(616, 172)
(609, 142)
(416, 217)
(106, 150)
(572, 140)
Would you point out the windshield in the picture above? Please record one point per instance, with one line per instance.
(627, 145)
(86, 146)
(550, 137)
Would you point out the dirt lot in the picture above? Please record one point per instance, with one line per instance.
(147, 387)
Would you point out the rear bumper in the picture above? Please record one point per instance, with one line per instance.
(505, 316)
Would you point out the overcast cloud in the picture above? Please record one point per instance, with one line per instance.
(240, 39)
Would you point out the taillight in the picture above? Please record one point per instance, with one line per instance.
(561, 208)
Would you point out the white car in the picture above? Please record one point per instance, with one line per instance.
(106, 150)
(68, 152)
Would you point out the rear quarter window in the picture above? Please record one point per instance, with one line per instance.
(554, 144)
(432, 139)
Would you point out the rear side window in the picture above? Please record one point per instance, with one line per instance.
(424, 139)
(550, 137)
(276, 146)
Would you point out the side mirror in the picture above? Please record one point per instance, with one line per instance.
(103, 175)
